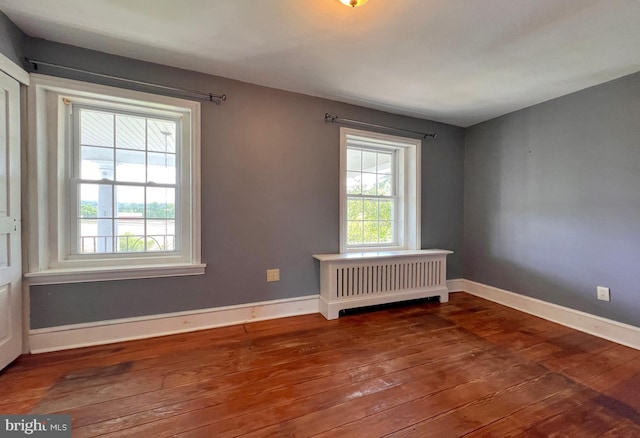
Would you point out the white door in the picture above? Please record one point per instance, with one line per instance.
(10, 250)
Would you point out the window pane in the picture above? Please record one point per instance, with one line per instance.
(385, 210)
(354, 160)
(96, 235)
(354, 209)
(385, 230)
(130, 132)
(370, 210)
(161, 203)
(354, 233)
(384, 185)
(130, 235)
(96, 163)
(96, 128)
(371, 232)
(161, 168)
(369, 161)
(96, 201)
(130, 166)
(384, 163)
(130, 203)
(161, 135)
(170, 242)
(354, 183)
(369, 183)
(161, 235)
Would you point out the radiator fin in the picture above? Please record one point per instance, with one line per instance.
(353, 281)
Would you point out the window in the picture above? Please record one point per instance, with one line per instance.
(118, 196)
(379, 206)
(123, 182)
(371, 197)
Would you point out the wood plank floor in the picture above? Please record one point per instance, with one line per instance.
(465, 368)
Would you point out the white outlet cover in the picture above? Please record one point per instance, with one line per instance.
(604, 293)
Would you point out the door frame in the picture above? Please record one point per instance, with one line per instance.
(15, 71)
(23, 77)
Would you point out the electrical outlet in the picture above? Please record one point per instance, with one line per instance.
(604, 293)
(273, 275)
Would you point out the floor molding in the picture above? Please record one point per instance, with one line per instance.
(127, 329)
(611, 330)
(117, 330)
(456, 285)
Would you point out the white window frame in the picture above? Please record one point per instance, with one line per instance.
(50, 259)
(407, 161)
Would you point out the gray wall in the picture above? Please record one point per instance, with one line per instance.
(270, 174)
(11, 40)
(552, 200)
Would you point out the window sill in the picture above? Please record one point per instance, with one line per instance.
(62, 276)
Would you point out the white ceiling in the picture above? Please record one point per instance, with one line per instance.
(455, 61)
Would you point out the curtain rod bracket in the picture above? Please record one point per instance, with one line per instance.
(222, 97)
(329, 117)
(337, 119)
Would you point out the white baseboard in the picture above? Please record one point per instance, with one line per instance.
(127, 329)
(456, 285)
(117, 330)
(611, 330)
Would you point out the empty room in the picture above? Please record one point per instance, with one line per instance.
(320, 218)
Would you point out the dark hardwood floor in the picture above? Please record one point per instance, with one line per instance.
(465, 368)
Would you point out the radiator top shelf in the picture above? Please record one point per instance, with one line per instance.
(380, 254)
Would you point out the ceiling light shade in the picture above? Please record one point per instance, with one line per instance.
(353, 3)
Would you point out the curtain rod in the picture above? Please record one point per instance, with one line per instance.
(337, 119)
(209, 96)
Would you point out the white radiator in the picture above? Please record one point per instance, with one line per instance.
(365, 279)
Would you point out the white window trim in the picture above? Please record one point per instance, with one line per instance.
(408, 186)
(46, 262)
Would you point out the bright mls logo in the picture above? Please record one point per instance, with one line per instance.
(35, 426)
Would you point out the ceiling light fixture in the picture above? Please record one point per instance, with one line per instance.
(353, 3)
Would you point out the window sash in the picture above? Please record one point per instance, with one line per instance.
(379, 222)
(77, 240)
(75, 243)
(368, 146)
